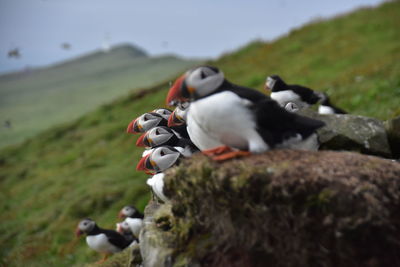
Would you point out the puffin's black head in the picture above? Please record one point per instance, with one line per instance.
(195, 83)
(85, 226)
(274, 83)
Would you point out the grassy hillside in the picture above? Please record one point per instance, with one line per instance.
(35, 100)
(86, 167)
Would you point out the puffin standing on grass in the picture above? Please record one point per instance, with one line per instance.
(101, 240)
(236, 121)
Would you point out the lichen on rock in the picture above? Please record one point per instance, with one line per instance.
(281, 208)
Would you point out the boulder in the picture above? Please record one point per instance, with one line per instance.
(281, 208)
(352, 133)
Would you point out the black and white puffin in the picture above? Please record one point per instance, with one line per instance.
(156, 182)
(130, 212)
(133, 218)
(236, 117)
(145, 122)
(160, 159)
(165, 136)
(101, 240)
(178, 116)
(326, 107)
(284, 93)
(125, 230)
(165, 112)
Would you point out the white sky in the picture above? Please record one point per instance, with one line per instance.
(204, 28)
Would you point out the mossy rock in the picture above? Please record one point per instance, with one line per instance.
(283, 208)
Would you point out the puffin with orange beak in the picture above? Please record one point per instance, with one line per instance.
(145, 122)
(162, 136)
(101, 240)
(159, 159)
(226, 120)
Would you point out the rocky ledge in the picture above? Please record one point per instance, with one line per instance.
(281, 208)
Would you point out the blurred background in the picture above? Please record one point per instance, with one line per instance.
(70, 71)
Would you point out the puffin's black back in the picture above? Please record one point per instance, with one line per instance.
(116, 238)
(275, 124)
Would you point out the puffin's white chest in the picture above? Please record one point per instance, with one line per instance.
(157, 185)
(135, 224)
(283, 97)
(325, 110)
(100, 243)
(225, 119)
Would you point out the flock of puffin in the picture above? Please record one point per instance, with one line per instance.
(219, 119)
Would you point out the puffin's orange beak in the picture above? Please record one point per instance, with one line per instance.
(174, 93)
(140, 141)
(141, 166)
(130, 127)
(78, 232)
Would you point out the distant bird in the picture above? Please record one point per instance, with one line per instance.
(130, 212)
(156, 182)
(124, 229)
(165, 136)
(14, 53)
(326, 107)
(165, 112)
(101, 240)
(7, 124)
(133, 218)
(283, 93)
(159, 160)
(66, 46)
(239, 119)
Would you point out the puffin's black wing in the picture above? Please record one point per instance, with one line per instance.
(275, 124)
(116, 239)
(307, 94)
(244, 92)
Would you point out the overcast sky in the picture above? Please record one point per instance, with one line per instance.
(203, 28)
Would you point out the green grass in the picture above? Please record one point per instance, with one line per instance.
(34, 101)
(86, 167)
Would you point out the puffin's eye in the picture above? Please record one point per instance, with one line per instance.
(85, 223)
(157, 131)
(202, 75)
(162, 153)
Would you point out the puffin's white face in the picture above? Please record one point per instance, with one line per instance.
(203, 80)
(146, 122)
(123, 227)
(157, 136)
(163, 112)
(270, 82)
(127, 211)
(178, 116)
(163, 157)
(86, 225)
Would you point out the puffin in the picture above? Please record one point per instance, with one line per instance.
(149, 120)
(165, 112)
(159, 160)
(133, 218)
(131, 212)
(178, 116)
(156, 182)
(145, 122)
(124, 229)
(161, 135)
(284, 93)
(326, 107)
(101, 240)
(232, 120)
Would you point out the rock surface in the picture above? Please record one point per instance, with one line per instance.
(281, 208)
(393, 132)
(352, 133)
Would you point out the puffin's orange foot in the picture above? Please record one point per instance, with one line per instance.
(103, 259)
(231, 155)
(216, 151)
